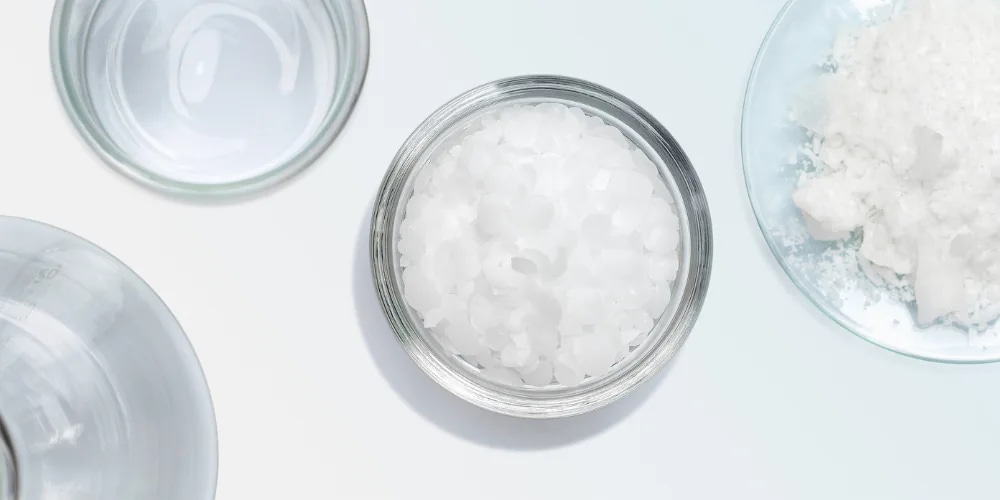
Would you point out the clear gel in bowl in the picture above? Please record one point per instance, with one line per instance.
(210, 96)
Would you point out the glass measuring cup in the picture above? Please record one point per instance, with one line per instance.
(101, 396)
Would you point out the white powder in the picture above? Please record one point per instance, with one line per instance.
(907, 144)
(542, 248)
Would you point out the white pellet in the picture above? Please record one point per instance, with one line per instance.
(540, 376)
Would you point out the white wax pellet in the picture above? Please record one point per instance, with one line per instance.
(518, 353)
(420, 292)
(658, 301)
(524, 266)
(434, 317)
(542, 263)
(527, 177)
(485, 359)
(413, 246)
(623, 265)
(658, 214)
(491, 129)
(595, 228)
(493, 217)
(540, 376)
(592, 123)
(498, 339)
(634, 323)
(630, 185)
(521, 129)
(614, 135)
(464, 338)
(545, 341)
(513, 356)
(568, 370)
(601, 179)
(631, 295)
(503, 376)
(535, 213)
(595, 353)
(630, 215)
(467, 260)
(663, 268)
(498, 271)
(482, 314)
(645, 166)
(661, 240)
(455, 307)
(585, 305)
(443, 267)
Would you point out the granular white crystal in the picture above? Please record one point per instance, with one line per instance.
(906, 138)
(542, 248)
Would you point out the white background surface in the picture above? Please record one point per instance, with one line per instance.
(768, 400)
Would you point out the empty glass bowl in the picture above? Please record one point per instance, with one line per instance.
(101, 395)
(209, 97)
(459, 376)
(789, 61)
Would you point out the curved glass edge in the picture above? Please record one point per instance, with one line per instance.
(92, 133)
(8, 466)
(185, 347)
(507, 400)
(838, 317)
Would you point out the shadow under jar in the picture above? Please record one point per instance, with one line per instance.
(440, 132)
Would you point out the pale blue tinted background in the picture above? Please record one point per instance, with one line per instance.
(768, 400)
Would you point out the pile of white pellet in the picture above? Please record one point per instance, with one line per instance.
(542, 248)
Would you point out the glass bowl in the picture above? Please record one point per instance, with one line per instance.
(457, 375)
(789, 60)
(205, 97)
(101, 394)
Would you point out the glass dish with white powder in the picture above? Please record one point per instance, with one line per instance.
(541, 246)
(872, 163)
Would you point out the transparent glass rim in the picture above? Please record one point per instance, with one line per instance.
(670, 333)
(352, 77)
(806, 290)
(203, 391)
(9, 477)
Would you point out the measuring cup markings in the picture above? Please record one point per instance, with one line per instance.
(40, 280)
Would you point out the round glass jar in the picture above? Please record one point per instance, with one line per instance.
(455, 374)
(209, 98)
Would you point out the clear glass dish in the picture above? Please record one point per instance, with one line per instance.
(209, 97)
(457, 375)
(101, 395)
(789, 60)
